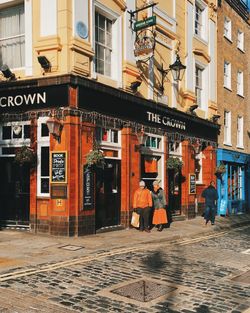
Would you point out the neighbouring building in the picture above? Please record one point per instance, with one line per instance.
(233, 105)
(86, 79)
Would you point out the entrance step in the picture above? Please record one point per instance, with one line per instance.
(177, 218)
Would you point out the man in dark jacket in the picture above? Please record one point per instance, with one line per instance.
(211, 196)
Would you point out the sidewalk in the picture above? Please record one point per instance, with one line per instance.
(19, 249)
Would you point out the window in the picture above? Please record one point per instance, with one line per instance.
(153, 142)
(43, 158)
(227, 75)
(240, 40)
(198, 20)
(227, 128)
(103, 44)
(15, 131)
(240, 83)
(107, 135)
(228, 28)
(198, 85)
(240, 131)
(12, 40)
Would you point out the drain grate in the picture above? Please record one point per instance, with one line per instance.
(71, 247)
(243, 278)
(143, 290)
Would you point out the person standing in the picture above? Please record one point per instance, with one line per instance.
(142, 205)
(159, 202)
(211, 196)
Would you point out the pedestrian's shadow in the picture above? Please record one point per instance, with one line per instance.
(202, 309)
(155, 261)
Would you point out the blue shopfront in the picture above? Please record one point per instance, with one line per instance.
(234, 184)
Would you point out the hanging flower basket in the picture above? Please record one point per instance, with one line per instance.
(220, 169)
(95, 157)
(174, 164)
(25, 155)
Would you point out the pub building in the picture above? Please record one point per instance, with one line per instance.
(62, 120)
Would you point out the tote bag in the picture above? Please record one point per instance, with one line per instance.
(135, 219)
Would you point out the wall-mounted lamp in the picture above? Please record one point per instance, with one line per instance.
(197, 146)
(142, 138)
(192, 108)
(215, 118)
(54, 127)
(7, 72)
(177, 69)
(44, 62)
(134, 85)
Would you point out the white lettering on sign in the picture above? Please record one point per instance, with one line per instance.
(165, 120)
(20, 100)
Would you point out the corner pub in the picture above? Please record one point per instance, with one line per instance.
(58, 194)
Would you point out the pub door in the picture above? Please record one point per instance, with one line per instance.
(174, 192)
(108, 194)
(14, 193)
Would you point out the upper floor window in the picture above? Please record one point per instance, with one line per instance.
(228, 28)
(198, 85)
(12, 40)
(227, 75)
(198, 20)
(104, 135)
(153, 142)
(11, 132)
(240, 83)
(103, 44)
(240, 40)
(240, 131)
(227, 127)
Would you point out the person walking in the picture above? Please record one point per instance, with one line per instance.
(159, 204)
(211, 196)
(142, 205)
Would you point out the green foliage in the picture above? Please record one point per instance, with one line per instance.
(174, 164)
(95, 157)
(25, 155)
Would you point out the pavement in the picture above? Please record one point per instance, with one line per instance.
(23, 249)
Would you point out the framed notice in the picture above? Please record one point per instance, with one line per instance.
(58, 167)
(192, 184)
(88, 189)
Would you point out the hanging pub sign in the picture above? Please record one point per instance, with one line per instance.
(88, 189)
(58, 167)
(150, 21)
(192, 184)
(144, 45)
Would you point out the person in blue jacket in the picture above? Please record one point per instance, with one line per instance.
(211, 196)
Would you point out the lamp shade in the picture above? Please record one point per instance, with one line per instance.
(54, 126)
(177, 69)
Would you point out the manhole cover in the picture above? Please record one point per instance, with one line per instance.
(143, 290)
(246, 251)
(71, 247)
(243, 278)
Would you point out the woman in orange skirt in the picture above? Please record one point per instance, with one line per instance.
(159, 202)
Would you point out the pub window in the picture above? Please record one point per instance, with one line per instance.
(6, 132)
(43, 185)
(153, 142)
(15, 131)
(107, 135)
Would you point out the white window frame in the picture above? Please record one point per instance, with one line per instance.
(240, 40)
(227, 128)
(109, 145)
(41, 142)
(227, 75)
(199, 89)
(18, 36)
(203, 21)
(228, 28)
(240, 83)
(240, 132)
(116, 55)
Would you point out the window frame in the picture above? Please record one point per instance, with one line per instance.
(42, 141)
(240, 83)
(201, 86)
(227, 30)
(201, 33)
(20, 36)
(227, 75)
(241, 40)
(240, 132)
(227, 128)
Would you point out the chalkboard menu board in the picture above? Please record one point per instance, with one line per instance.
(88, 189)
(192, 184)
(58, 168)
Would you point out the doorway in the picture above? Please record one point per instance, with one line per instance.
(108, 194)
(14, 193)
(174, 191)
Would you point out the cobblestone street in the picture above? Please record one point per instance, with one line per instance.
(193, 275)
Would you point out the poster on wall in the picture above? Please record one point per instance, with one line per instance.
(192, 184)
(223, 207)
(58, 167)
(88, 189)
